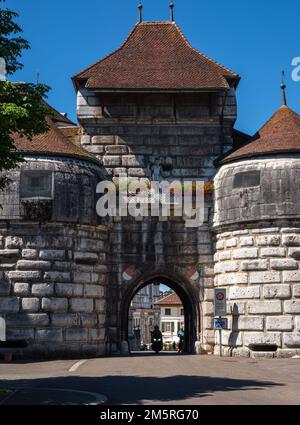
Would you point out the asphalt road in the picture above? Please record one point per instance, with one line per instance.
(166, 379)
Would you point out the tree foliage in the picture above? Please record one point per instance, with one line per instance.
(22, 109)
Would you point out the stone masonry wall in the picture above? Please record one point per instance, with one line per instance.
(178, 136)
(260, 269)
(53, 280)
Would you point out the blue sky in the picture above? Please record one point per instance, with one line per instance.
(254, 38)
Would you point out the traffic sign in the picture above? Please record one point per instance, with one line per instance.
(220, 324)
(220, 302)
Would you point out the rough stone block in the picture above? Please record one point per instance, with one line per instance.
(55, 304)
(86, 257)
(292, 276)
(295, 253)
(257, 265)
(297, 323)
(9, 305)
(245, 253)
(21, 288)
(220, 245)
(69, 289)
(236, 308)
(97, 334)
(292, 307)
(50, 335)
(33, 265)
(12, 242)
(29, 254)
(291, 240)
(284, 265)
(296, 291)
(24, 275)
(237, 293)
(264, 277)
(93, 291)
(245, 323)
(279, 323)
(272, 252)
(82, 305)
(57, 276)
(247, 241)
(32, 320)
(9, 254)
(18, 334)
(31, 305)
(264, 307)
(42, 289)
(64, 319)
(231, 243)
(77, 334)
(88, 320)
(277, 291)
(232, 339)
(82, 277)
(100, 306)
(291, 340)
(232, 279)
(221, 256)
(226, 266)
(269, 338)
(112, 161)
(52, 254)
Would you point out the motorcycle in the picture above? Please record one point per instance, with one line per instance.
(157, 344)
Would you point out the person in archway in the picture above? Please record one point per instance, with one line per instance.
(181, 336)
(157, 340)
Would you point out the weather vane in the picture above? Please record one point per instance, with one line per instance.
(172, 5)
(283, 87)
(140, 7)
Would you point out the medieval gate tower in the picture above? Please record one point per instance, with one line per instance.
(155, 109)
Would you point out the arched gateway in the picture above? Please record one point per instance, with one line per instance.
(188, 295)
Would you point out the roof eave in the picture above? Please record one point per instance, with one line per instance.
(58, 154)
(258, 154)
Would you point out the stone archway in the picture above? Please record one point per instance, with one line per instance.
(185, 291)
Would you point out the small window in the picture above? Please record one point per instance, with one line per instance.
(182, 312)
(247, 179)
(37, 183)
(167, 312)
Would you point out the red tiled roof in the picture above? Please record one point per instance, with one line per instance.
(156, 55)
(53, 142)
(281, 134)
(172, 299)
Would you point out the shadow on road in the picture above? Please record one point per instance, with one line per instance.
(135, 389)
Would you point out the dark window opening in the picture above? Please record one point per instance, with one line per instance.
(246, 179)
(36, 184)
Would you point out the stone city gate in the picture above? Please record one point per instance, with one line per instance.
(150, 126)
(155, 109)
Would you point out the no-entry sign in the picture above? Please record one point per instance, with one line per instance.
(220, 302)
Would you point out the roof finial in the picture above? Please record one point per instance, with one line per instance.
(140, 7)
(172, 5)
(283, 87)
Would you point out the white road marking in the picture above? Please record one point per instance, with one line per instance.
(77, 365)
